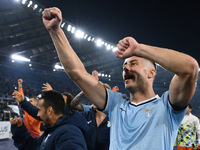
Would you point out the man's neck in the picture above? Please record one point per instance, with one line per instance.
(100, 116)
(55, 118)
(140, 97)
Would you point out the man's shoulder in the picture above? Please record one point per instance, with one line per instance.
(67, 130)
(118, 95)
(193, 116)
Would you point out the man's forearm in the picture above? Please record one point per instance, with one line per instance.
(30, 109)
(66, 54)
(94, 91)
(171, 60)
(77, 99)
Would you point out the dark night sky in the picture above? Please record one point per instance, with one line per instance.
(170, 24)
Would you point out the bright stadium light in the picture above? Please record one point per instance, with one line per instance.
(89, 38)
(24, 2)
(58, 66)
(98, 42)
(63, 24)
(30, 3)
(79, 34)
(73, 30)
(40, 10)
(69, 27)
(35, 7)
(20, 58)
(108, 47)
(85, 37)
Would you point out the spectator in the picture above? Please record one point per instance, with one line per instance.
(115, 88)
(189, 132)
(32, 124)
(58, 134)
(99, 124)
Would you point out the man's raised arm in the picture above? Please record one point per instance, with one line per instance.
(94, 91)
(185, 68)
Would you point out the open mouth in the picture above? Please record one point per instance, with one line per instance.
(127, 77)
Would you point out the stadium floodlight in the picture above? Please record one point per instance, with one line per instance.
(79, 34)
(35, 7)
(98, 42)
(30, 3)
(89, 38)
(69, 27)
(108, 47)
(20, 58)
(85, 36)
(30, 65)
(24, 2)
(63, 24)
(109, 76)
(58, 66)
(40, 10)
(73, 30)
(99, 74)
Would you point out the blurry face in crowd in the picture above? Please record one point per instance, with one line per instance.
(33, 101)
(42, 113)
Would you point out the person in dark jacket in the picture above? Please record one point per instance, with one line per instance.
(72, 117)
(99, 129)
(99, 125)
(58, 134)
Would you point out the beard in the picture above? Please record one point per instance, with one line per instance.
(46, 122)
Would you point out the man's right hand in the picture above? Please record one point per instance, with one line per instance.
(18, 96)
(52, 18)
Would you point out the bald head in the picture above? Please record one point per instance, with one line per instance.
(148, 63)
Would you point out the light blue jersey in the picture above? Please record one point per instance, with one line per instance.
(150, 125)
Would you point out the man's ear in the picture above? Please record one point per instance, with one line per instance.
(49, 111)
(152, 73)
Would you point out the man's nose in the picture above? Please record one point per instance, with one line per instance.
(126, 68)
